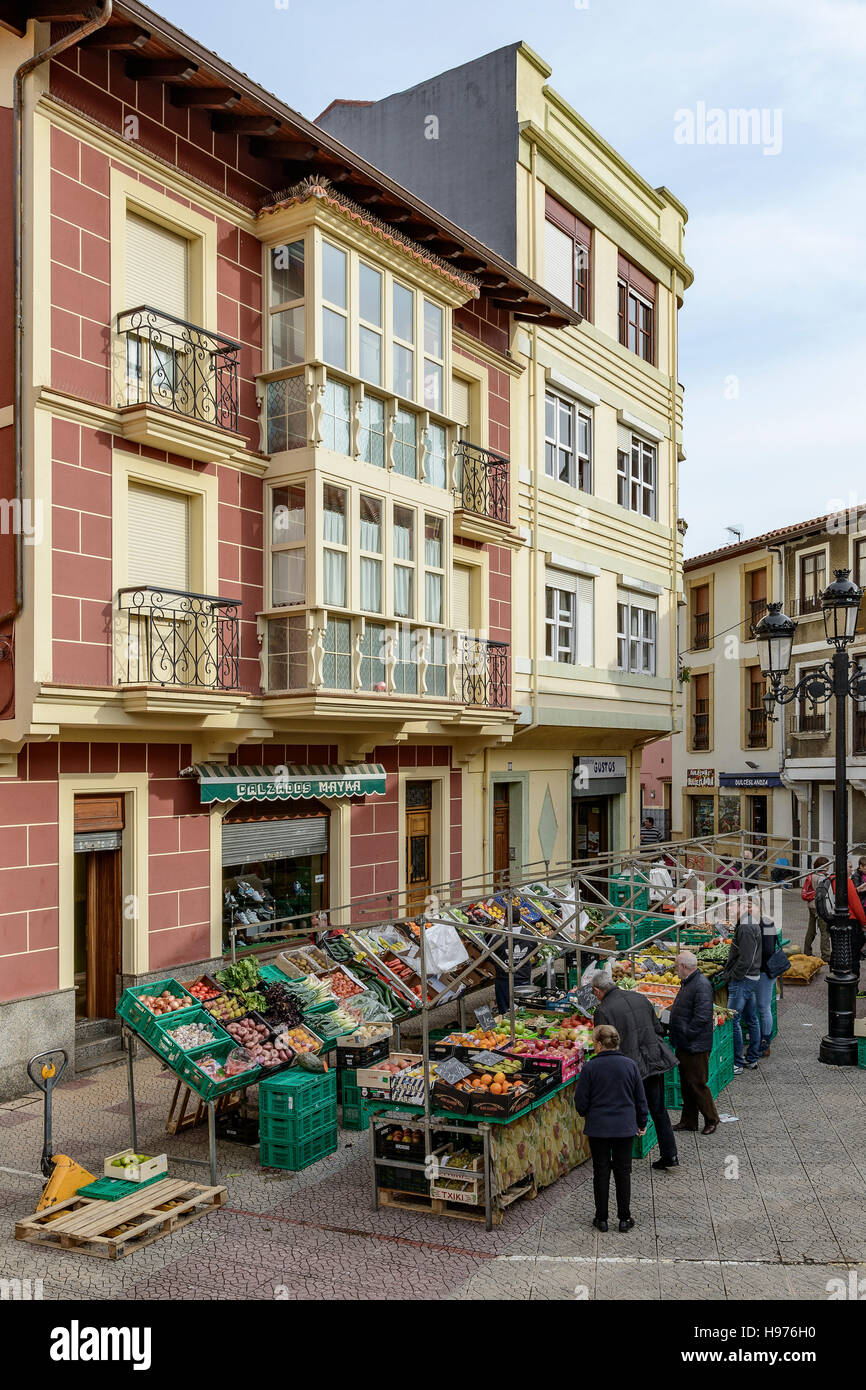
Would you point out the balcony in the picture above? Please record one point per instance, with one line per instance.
(178, 385)
(808, 606)
(168, 638)
(858, 731)
(481, 487)
(390, 669)
(758, 728)
(757, 609)
(701, 635)
(701, 733)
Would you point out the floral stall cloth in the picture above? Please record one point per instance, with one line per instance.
(546, 1143)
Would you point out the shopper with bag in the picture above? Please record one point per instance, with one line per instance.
(820, 870)
(691, 1033)
(825, 906)
(742, 974)
(641, 1037)
(774, 963)
(610, 1097)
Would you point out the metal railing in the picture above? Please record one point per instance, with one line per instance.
(701, 733)
(858, 731)
(180, 367)
(808, 606)
(757, 728)
(169, 637)
(484, 672)
(757, 609)
(483, 481)
(701, 639)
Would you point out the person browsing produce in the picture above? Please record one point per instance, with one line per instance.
(742, 976)
(691, 1033)
(642, 1039)
(611, 1098)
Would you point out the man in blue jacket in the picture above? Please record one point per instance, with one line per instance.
(691, 1032)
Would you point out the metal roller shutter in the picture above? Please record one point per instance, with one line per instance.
(157, 267)
(558, 263)
(280, 839)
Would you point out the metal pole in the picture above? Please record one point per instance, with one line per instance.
(509, 922)
(488, 1178)
(839, 1047)
(130, 1084)
(425, 1044)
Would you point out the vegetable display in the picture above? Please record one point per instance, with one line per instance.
(189, 1035)
(164, 1003)
(280, 1006)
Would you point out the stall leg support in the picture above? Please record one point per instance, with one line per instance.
(211, 1142)
(130, 1083)
(488, 1178)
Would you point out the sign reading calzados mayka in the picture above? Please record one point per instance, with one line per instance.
(222, 783)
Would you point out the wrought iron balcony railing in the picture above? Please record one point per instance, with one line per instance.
(757, 609)
(701, 733)
(179, 366)
(481, 477)
(485, 672)
(701, 638)
(171, 638)
(858, 741)
(758, 728)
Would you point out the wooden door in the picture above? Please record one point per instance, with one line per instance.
(501, 832)
(419, 808)
(103, 932)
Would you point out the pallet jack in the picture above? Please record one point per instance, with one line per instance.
(64, 1175)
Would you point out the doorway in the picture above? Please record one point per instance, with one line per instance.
(501, 833)
(592, 827)
(419, 818)
(758, 814)
(97, 878)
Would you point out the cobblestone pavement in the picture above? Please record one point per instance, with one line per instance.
(770, 1207)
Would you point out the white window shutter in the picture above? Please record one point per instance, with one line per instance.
(158, 538)
(157, 267)
(585, 622)
(558, 263)
(461, 604)
(460, 404)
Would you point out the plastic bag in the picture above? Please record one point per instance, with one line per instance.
(443, 949)
(594, 969)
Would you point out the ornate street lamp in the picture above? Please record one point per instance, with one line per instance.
(840, 603)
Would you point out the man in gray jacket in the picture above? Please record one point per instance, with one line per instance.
(641, 1037)
(742, 975)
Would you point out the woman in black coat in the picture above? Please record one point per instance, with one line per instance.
(610, 1097)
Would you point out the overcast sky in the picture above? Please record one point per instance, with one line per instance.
(772, 352)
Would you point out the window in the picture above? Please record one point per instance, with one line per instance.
(636, 477)
(372, 674)
(859, 575)
(566, 458)
(811, 719)
(370, 323)
(434, 354)
(334, 305)
(371, 439)
(406, 665)
(287, 305)
(569, 618)
(437, 665)
(403, 345)
(813, 579)
(756, 596)
(436, 464)
(337, 658)
(336, 417)
(858, 742)
(729, 812)
(701, 617)
(701, 712)
(406, 443)
(287, 654)
(288, 546)
(334, 535)
(461, 598)
(157, 275)
(434, 570)
(756, 730)
(636, 624)
(404, 562)
(370, 540)
(636, 310)
(567, 244)
(158, 538)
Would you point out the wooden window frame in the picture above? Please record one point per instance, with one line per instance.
(581, 238)
(634, 286)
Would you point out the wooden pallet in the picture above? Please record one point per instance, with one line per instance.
(433, 1206)
(114, 1229)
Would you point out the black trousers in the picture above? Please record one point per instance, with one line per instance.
(611, 1156)
(654, 1086)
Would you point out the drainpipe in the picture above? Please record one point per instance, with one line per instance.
(99, 18)
(533, 412)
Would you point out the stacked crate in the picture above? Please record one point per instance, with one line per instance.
(297, 1118)
(721, 1068)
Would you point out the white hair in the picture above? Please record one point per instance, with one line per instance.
(688, 959)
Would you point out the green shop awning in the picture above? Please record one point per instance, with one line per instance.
(287, 783)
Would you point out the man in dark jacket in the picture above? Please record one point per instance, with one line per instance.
(641, 1037)
(691, 1032)
(742, 976)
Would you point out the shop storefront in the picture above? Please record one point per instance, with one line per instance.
(596, 788)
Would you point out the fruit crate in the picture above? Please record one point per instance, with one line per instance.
(296, 1129)
(295, 1156)
(165, 1045)
(297, 1092)
(626, 890)
(139, 1016)
(351, 1056)
(650, 926)
(721, 1067)
(402, 1179)
(645, 1143)
(207, 1087)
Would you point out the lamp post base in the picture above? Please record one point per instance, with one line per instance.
(838, 1052)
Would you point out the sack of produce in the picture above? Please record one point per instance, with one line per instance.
(802, 969)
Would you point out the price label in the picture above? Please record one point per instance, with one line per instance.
(486, 1059)
(485, 1017)
(585, 1001)
(452, 1071)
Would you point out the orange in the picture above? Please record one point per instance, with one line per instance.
(500, 1077)
(486, 1079)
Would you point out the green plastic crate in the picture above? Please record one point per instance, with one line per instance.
(139, 1016)
(645, 1143)
(294, 1129)
(861, 1052)
(624, 890)
(354, 1116)
(300, 1155)
(721, 1067)
(169, 1049)
(207, 1087)
(297, 1092)
(112, 1189)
